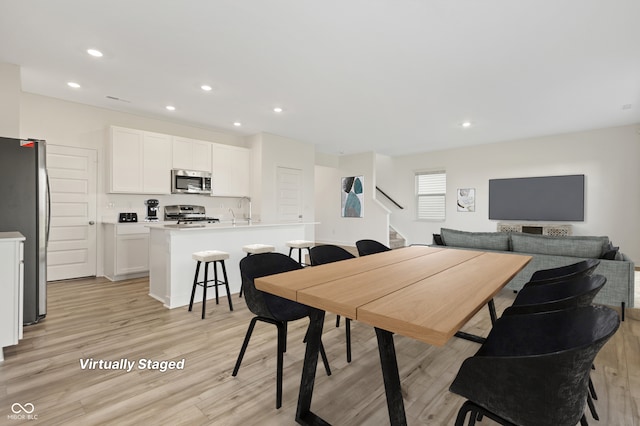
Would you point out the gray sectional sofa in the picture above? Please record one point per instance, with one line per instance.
(551, 252)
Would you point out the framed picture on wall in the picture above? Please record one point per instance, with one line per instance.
(466, 199)
(352, 196)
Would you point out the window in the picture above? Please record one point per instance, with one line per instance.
(431, 188)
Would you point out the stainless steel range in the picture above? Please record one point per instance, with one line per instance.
(187, 214)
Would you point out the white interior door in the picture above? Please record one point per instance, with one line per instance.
(289, 189)
(72, 248)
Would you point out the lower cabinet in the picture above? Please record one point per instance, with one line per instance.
(11, 288)
(126, 251)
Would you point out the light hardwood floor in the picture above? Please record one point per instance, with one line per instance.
(97, 319)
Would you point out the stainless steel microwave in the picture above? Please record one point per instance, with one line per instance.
(190, 182)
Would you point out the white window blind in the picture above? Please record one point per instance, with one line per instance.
(430, 195)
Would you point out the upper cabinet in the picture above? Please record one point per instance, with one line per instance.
(231, 171)
(191, 154)
(140, 162)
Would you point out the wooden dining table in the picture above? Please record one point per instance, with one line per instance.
(426, 293)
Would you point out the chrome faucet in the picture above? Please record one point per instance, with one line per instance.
(249, 219)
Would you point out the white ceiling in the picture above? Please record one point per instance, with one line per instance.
(391, 76)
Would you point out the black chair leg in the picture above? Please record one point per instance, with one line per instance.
(195, 283)
(592, 407)
(325, 361)
(245, 343)
(337, 320)
(286, 330)
(592, 390)
(462, 414)
(226, 285)
(204, 288)
(282, 338)
(323, 354)
(348, 334)
(583, 421)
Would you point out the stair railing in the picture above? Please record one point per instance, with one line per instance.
(389, 198)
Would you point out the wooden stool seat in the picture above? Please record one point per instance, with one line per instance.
(257, 248)
(300, 244)
(210, 256)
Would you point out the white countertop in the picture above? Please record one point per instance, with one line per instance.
(8, 236)
(171, 226)
(140, 222)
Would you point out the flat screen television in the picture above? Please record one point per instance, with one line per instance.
(546, 198)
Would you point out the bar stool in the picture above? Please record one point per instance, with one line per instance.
(300, 245)
(256, 249)
(210, 256)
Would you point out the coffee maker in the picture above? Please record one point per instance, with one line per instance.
(152, 210)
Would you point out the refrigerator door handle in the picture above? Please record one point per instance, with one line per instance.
(48, 210)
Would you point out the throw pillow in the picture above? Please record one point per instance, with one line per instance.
(610, 253)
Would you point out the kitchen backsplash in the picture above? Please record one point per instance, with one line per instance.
(217, 207)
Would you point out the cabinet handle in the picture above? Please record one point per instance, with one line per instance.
(91, 222)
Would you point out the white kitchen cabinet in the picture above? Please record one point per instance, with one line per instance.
(126, 251)
(231, 171)
(12, 289)
(156, 163)
(191, 154)
(140, 162)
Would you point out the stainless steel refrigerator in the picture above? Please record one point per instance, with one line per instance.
(24, 207)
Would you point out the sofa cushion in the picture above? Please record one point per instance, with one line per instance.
(476, 240)
(584, 247)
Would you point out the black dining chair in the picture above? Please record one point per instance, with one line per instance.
(270, 308)
(329, 253)
(563, 273)
(572, 293)
(538, 377)
(367, 247)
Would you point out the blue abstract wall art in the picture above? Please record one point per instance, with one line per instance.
(352, 196)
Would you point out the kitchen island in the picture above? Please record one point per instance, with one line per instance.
(171, 267)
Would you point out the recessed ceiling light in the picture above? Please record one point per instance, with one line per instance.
(170, 107)
(94, 52)
(74, 85)
(277, 109)
(237, 123)
(206, 88)
(466, 124)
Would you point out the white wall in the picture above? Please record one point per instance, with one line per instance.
(608, 158)
(9, 100)
(270, 152)
(334, 228)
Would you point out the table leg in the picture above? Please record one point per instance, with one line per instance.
(391, 377)
(304, 416)
(478, 339)
(492, 311)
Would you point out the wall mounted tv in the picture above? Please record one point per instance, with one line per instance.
(548, 198)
